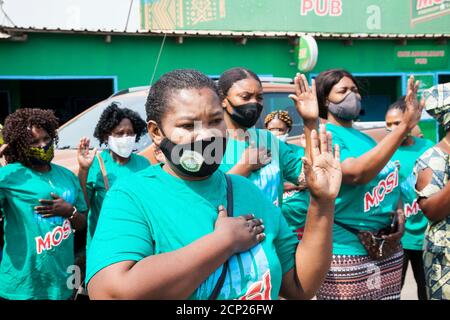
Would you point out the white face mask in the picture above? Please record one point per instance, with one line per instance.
(283, 137)
(122, 146)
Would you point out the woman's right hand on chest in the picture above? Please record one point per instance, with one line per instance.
(241, 233)
(255, 158)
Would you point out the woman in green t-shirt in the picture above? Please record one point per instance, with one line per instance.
(120, 129)
(254, 153)
(43, 204)
(295, 197)
(166, 234)
(416, 223)
(369, 194)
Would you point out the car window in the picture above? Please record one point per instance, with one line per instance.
(70, 134)
(280, 101)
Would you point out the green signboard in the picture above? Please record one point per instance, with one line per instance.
(425, 10)
(421, 57)
(325, 16)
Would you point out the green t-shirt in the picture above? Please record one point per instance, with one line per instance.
(363, 207)
(285, 165)
(296, 203)
(416, 222)
(96, 186)
(153, 212)
(37, 250)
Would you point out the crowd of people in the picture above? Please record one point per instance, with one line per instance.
(223, 210)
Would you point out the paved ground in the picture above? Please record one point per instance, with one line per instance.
(409, 291)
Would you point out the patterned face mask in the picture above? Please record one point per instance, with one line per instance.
(437, 104)
(41, 155)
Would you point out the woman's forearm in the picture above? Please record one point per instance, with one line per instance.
(78, 222)
(363, 169)
(173, 275)
(308, 127)
(82, 177)
(313, 255)
(437, 207)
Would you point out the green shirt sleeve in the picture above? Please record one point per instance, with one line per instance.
(122, 233)
(286, 244)
(291, 163)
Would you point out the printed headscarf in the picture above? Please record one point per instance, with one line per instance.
(437, 103)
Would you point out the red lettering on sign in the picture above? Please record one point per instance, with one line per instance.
(336, 8)
(306, 6)
(321, 7)
(422, 4)
(332, 8)
(422, 61)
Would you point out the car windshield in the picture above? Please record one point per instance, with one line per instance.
(281, 101)
(84, 125)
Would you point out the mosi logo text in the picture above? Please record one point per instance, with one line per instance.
(53, 238)
(384, 187)
(411, 209)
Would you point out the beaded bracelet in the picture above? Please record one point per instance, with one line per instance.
(73, 213)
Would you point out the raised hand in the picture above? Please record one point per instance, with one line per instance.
(84, 155)
(305, 98)
(323, 172)
(2, 150)
(56, 207)
(242, 232)
(413, 108)
(303, 141)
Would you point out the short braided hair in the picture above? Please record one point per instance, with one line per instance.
(279, 114)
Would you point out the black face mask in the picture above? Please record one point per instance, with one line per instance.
(245, 115)
(196, 159)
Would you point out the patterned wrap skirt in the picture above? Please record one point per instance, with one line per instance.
(362, 278)
(437, 274)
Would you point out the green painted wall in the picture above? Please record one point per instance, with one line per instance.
(131, 59)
